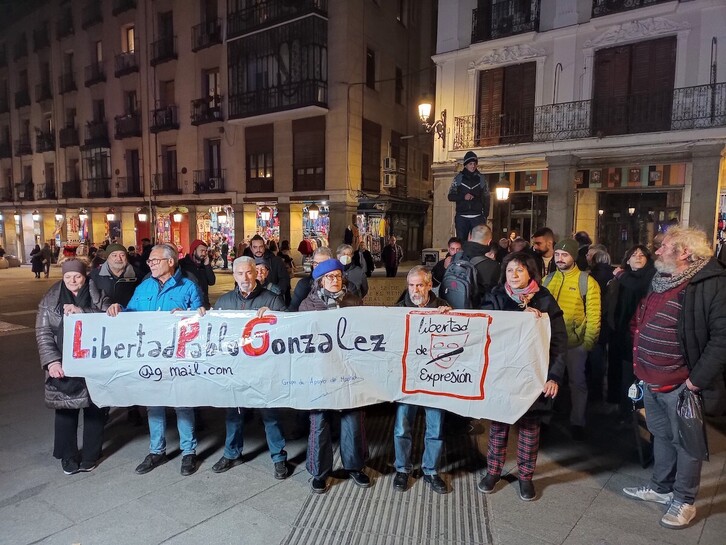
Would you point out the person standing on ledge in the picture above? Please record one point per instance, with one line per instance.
(470, 192)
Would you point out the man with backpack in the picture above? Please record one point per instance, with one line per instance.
(578, 295)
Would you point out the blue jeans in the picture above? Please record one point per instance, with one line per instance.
(353, 448)
(235, 424)
(433, 440)
(184, 423)
(465, 225)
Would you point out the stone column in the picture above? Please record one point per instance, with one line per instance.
(442, 210)
(283, 214)
(561, 194)
(703, 205)
(340, 218)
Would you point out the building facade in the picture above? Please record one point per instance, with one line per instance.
(607, 116)
(176, 119)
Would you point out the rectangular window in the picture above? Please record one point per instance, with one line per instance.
(68, 62)
(308, 136)
(399, 151)
(399, 86)
(402, 15)
(370, 69)
(70, 117)
(166, 93)
(260, 145)
(210, 82)
(99, 110)
(49, 175)
(131, 104)
(371, 157)
(98, 48)
(128, 39)
(166, 24)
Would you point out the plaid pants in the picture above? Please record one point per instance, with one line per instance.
(527, 446)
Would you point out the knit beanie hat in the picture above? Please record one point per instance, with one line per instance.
(262, 261)
(329, 265)
(469, 157)
(116, 248)
(568, 245)
(196, 244)
(73, 265)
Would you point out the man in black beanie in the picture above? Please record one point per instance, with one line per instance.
(470, 192)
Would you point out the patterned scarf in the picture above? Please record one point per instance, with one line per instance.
(522, 296)
(331, 300)
(664, 282)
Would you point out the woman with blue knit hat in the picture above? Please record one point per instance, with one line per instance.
(329, 291)
(470, 192)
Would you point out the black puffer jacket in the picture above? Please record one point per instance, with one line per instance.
(473, 183)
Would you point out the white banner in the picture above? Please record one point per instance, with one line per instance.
(485, 365)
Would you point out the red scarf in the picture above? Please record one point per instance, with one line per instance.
(522, 296)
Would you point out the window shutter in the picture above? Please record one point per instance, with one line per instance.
(518, 103)
(611, 86)
(488, 122)
(651, 85)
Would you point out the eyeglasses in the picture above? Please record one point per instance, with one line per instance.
(333, 276)
(155, 262)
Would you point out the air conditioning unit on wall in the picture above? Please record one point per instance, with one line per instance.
(389, 164)
(389, 180)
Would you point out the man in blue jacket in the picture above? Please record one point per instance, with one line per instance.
(470, 192)
(166, 289)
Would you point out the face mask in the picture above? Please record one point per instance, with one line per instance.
(345, 259)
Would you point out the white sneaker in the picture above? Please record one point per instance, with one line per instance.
(679, 515)
(646, 493)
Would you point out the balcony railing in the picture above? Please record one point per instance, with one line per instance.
(64, 26)
(71, 189)
(207, 110)
(263, 14)
(209, 181)
(23, 146)
(698, 107)
(22, 98)
(119, 6)
(24, 191)
(45, 141)
(94, 73)
(96, 135)
(163, 50)
(126, 63)
(68, 137)
(206, 34)
(99, 188)
(129, 186)
(45, 192)
(166, 183)
(43, 92)
(6, 194)
(606, 7)
(91, 14)
(127, 125)
(41, 39)
(164, 119)
(67, 83)
(501, 19)
(6, 150)
(282, 97)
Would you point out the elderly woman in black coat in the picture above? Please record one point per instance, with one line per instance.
(520, 291)
(75, 294)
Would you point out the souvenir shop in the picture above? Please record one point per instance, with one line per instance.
(267, 221)
(172, 226)
(316, 230)
(378, 219)
(214, 226)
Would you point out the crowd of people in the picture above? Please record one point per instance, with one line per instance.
(657, 320)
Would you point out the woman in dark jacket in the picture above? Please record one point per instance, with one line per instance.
(329, 292)
(630, 285)
(36, 260)
(67, 395)
(520, 290)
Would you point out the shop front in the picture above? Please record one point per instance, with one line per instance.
(378, 219)
(215, 225)
(521, 211)
(172, 227)
(267, 221)
(315, 230)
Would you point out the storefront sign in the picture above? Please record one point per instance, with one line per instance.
(485, 365)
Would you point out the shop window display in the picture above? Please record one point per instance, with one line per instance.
(269, 229)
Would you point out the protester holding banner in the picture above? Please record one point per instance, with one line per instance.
(419, 294)
(166, 289)
(67, 395)
(249, 294)
(329, 292)
(520, 290)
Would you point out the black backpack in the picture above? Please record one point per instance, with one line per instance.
(459, 286)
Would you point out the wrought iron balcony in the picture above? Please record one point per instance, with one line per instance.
(71, 189)
(6, 194)
(96, 134)
(92, 14)
(209, 181)
(207, 110)
(271, 12)
(163, 50)
(45, 192)
(44, 141)
(67, 83)
(24, 191)
(6, 151)
(166, 183)
(164, 119)
(119, 6)
(606, 7)
(126, 63)
(4, 105)
(41, 38)
(43, 92)
(206, 34)
(99, 188)
(697, 107)
(129, 186)
(22, 98)
(64, 27)
(20, 49)
(23, 146)
(497, 20)
(127, 125)
(279, 98)
(95, 73)
(68, 137)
